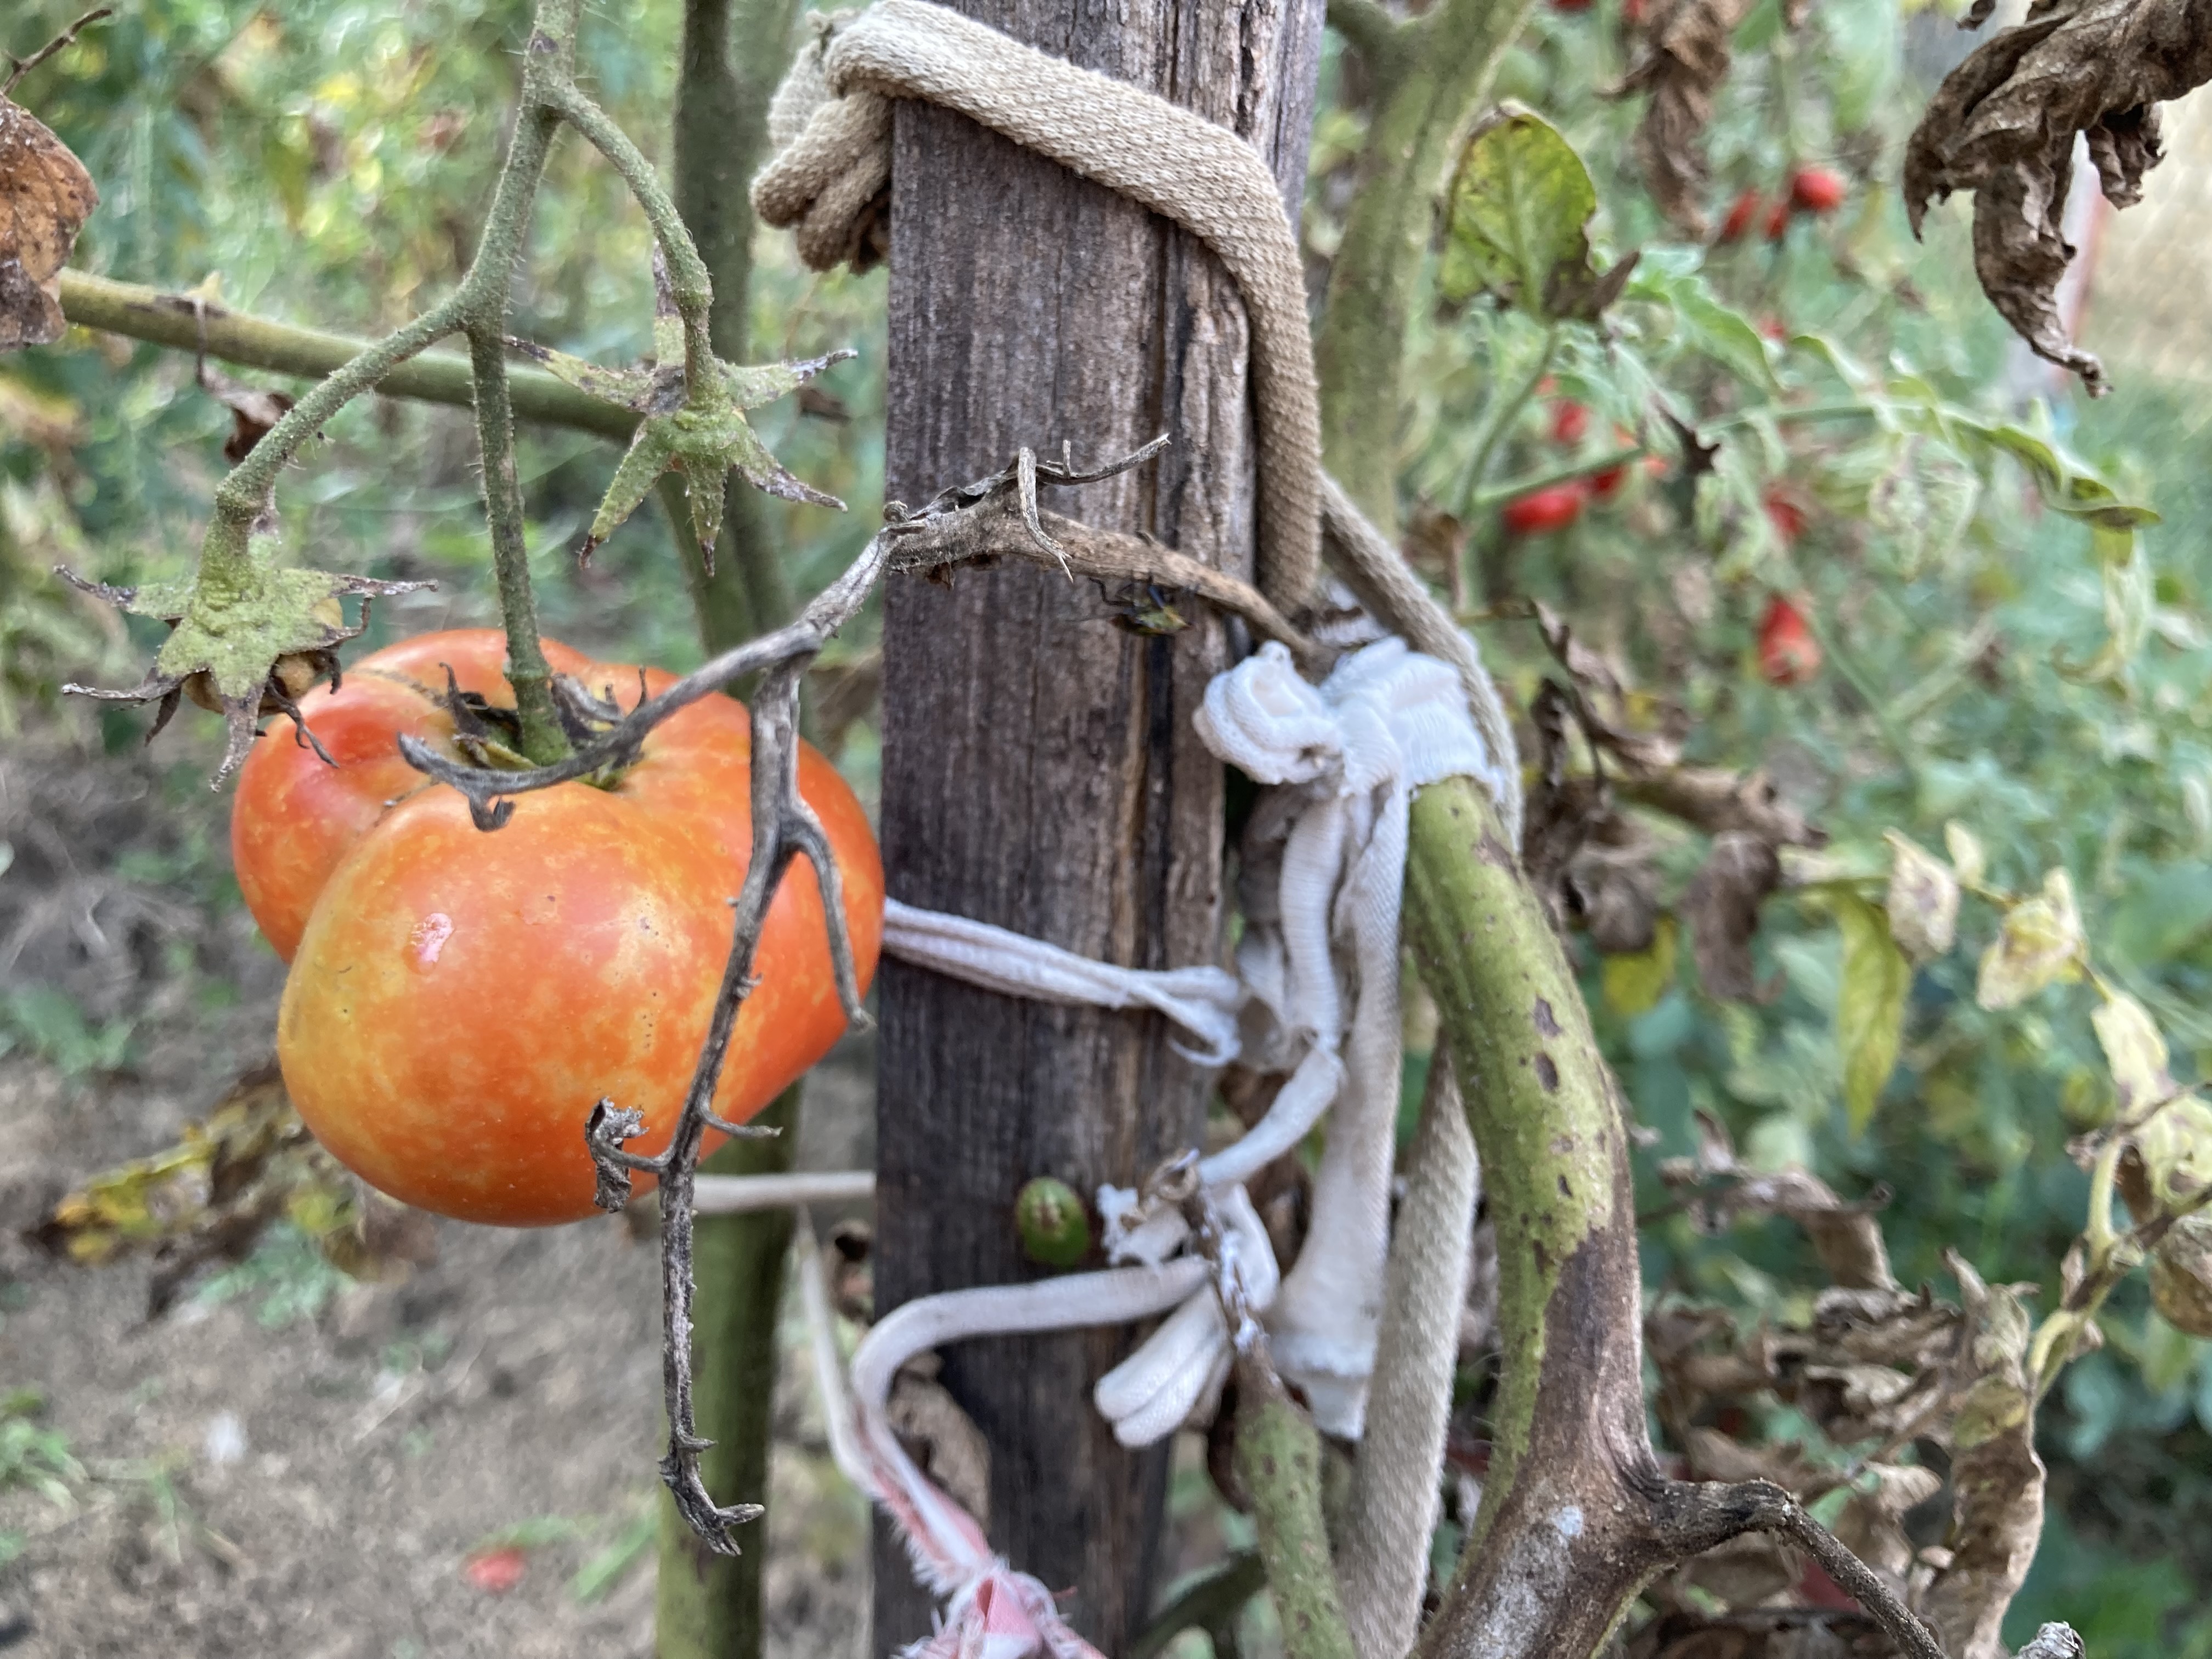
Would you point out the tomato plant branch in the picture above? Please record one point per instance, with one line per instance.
(1497, 495)
(688, 283)
(20, 67)
(185, 322)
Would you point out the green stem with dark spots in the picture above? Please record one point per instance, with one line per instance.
(1279, 1460)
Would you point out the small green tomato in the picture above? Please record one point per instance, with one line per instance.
(1050, 1217)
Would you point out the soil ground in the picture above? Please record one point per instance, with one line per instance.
(288, 1463)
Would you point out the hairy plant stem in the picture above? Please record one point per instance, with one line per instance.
(185, 322)
(1279, 1459)
(478, 308)
(1577, 1516)
(1431, 74)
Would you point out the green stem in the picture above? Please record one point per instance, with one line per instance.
(1211, 1603)
(1497, 420)
(1789, 415)
(1443, 65)
(544, 740)
(688, 283)
(1279, 1459)
(1513, 489)
(242, 495)
(187, 324)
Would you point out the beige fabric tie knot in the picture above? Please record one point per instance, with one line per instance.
(830, 182)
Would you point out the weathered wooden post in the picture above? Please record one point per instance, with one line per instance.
(1040, 770)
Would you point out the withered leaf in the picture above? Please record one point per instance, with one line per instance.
(1996, 1478)
(1923, 900)
(248, 1164)
(2181, 1276)
(941, 1438)
(253, 409)
(2136, 1051)
(1722, 907)
(2002, 125)
(1686, 58)
(45, 197)
(1846, 1235)
(2038, 943)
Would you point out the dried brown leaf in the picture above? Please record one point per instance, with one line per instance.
(2002, 125)
(1686, 58)
(2181, 1276)
(1996, 1478)
(1846, 1236)
(941, 1438)
(253, 409)
(1722, 907)
(45, 197)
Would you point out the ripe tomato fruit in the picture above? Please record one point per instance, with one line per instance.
(1542, 512)
(1786, 513)
(458, 998)
(1816, 190)
(1570, 420)
(1778, 219)
(1604, 486)
(1740, 213)
(1787, 652)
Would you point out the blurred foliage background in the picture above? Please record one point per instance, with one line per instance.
(1985, 658)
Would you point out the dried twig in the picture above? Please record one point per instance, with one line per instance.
(20, 67)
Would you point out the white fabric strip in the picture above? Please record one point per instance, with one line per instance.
(1344, 758)
(1202, 1001)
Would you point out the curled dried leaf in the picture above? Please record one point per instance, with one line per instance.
(2003, 123)
(1923, 900)
(2135, 1048)
(251, 1162)
(1722, 907)
(2040, 943)
(45, 197)
(1686, 58)
(2181, 1276)
(1996, 1478)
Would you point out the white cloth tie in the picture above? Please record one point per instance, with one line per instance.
(1320, 936)
(1203, 1001)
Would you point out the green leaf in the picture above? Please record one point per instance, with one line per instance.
(1521, 206)
(1634, 981)
(2129, 594)
(1871, 997)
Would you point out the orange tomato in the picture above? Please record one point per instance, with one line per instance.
(459, 999)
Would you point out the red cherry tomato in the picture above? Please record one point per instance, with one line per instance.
(1787, 652)
(1786, 513)
(1570, 5)
(1816, 190)
(458, 997)
(1632, 12)
(1570, 420)
(1778, 219)
(1605, 485)
(1740, 213)
(1542, 512)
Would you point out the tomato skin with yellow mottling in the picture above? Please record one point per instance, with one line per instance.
(459, 999)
